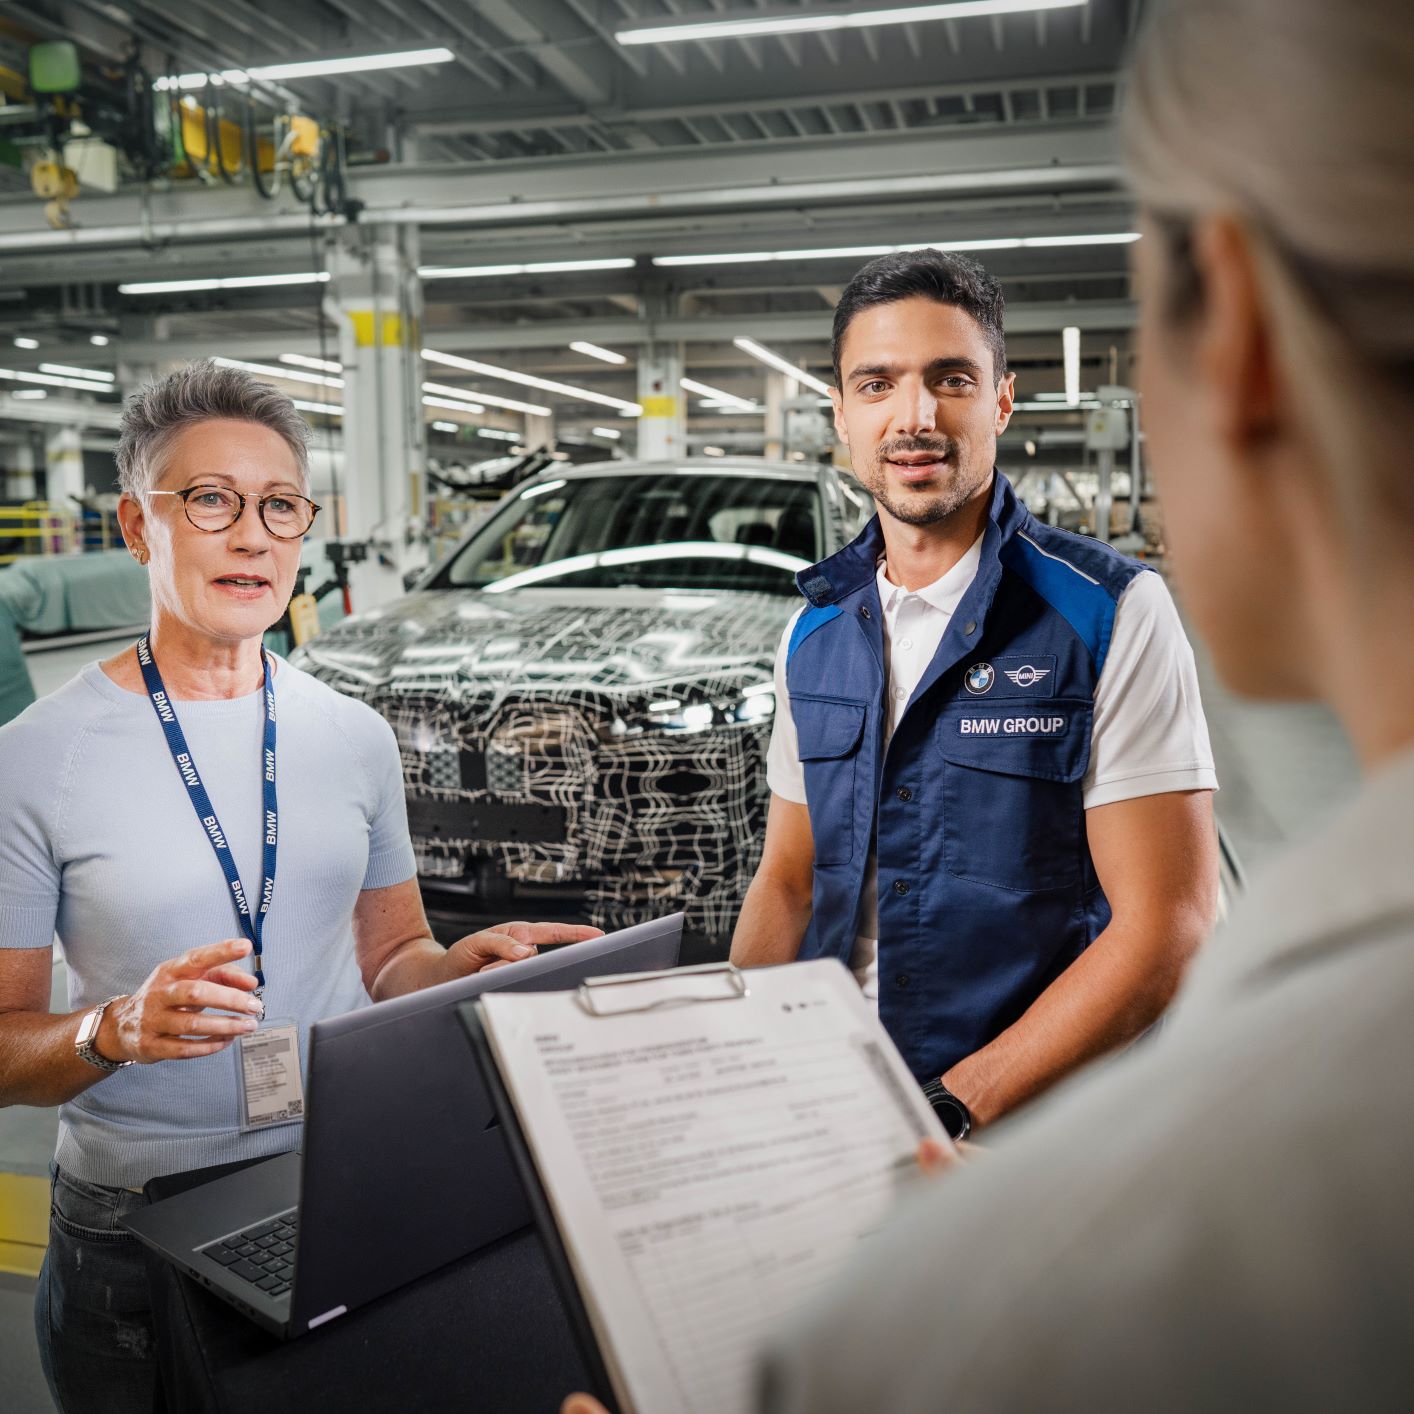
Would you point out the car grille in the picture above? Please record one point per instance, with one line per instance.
(637, 825)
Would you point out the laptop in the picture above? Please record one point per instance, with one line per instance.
(403, 1166)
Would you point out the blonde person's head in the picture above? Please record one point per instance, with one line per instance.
(1297, 116)
(1270, 145)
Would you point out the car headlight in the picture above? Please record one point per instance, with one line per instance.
(671, 714)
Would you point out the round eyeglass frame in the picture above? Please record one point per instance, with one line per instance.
(260, 501)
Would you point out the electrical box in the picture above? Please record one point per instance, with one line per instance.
(1106, 429)
(93, 162)
(54, 67)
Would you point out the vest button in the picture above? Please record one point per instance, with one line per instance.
(901, 981)
(904, 794)
(865, 614)
(970, 626)
(900, 887)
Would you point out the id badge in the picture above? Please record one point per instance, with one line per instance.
(269, 1087)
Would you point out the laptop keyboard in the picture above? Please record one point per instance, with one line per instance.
(263, 1255)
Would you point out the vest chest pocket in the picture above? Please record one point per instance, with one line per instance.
(829, 730)
(1013, 811)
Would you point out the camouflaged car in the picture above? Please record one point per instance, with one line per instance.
(582, 691)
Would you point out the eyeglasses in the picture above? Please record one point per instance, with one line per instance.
(285, 516)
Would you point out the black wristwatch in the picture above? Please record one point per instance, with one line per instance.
(955, 1116)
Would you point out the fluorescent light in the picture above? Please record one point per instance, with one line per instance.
(1050, 398)
(774, 360)
(329, 409)
(308, 68)
(1070, 348)
(321, 365)
(97, 375)
(99, 341)
(538, 267)
(612, 433)
(747, 26)
(455, 404)
(271, 371)
(21, 342)
(228, 282)
(446, 427)
(490, 370)
(745, 257)
(594, 351)
(860, 252)
(718, 396)
(496, 435)
(474, 400)
(714, 452)
(52, 380)
(30, 393)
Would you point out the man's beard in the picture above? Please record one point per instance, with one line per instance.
(923, 508)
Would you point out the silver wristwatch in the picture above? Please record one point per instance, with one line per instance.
(88, 1035)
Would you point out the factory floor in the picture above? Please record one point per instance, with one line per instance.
(1282, 770)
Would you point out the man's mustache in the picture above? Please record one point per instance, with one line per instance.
(945, 449)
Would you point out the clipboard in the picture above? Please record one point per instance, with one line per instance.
(556, 1257)
(718, 1170)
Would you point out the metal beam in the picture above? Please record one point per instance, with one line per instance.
(836, 172)
(769, 99)
(560, 43)
(1100, 316)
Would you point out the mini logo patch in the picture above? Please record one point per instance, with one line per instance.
(1027, 676)
(980, 677)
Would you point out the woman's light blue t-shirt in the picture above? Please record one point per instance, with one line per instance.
(99, 843)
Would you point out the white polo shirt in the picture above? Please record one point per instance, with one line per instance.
(1149, 735)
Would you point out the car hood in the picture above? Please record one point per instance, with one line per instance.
(617, 641)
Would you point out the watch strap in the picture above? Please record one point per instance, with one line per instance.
(954, 1114)
(87, 1050)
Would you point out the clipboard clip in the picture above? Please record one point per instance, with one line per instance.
(592, 990)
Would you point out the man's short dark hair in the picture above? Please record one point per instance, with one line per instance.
(932, 274)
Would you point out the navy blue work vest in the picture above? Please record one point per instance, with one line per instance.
(987, 891)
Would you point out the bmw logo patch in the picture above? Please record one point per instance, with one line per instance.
(980, 677)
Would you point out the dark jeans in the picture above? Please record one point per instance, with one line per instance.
(92, 1313)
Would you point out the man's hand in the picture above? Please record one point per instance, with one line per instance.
(582, 1404)
(510, 942)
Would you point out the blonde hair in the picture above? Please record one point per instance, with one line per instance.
(1297, 116)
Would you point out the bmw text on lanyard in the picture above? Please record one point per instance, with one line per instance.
(252, 925)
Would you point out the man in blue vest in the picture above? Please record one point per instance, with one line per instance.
(991, 777)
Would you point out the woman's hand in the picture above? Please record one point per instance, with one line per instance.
(174, 1015)
(510, 942)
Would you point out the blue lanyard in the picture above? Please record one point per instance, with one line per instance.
(252, 925)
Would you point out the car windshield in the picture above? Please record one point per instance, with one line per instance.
(663, 530)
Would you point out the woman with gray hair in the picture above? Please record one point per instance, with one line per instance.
(1221, 1220)
(176, 957)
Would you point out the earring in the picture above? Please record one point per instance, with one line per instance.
(140, 554)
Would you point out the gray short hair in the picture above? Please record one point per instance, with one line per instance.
(199, 392)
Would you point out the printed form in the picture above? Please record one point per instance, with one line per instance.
(711, 1162)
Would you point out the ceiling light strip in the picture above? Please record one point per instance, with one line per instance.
(465, 397)
(308, 69)
(749, 25)
(774, 360)
(527, 380)
(540, 267)
(228, 282)
(761, 257)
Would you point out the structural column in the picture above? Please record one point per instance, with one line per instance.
(662, 430)
(375, 299)
(63, 465)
